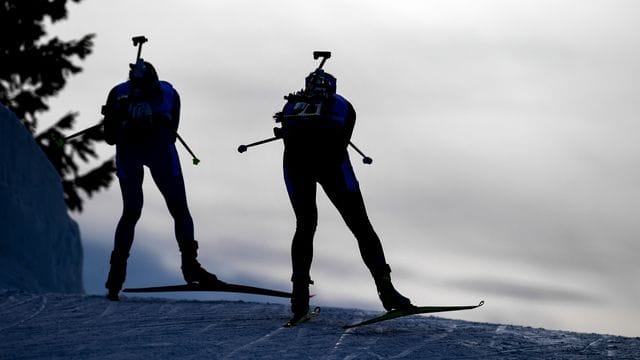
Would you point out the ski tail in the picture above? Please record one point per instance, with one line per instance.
(221, 287)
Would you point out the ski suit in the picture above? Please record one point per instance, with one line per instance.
(316, 152)
(147, 142)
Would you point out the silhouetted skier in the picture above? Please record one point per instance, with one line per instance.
(316, 128)
(141, 118)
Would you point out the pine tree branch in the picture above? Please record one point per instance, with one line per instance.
(97, 179)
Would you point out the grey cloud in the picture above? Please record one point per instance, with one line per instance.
(528, 292)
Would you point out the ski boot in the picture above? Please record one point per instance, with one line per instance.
(390, 297)
(192, 271)
(300, 299)
(117, 274)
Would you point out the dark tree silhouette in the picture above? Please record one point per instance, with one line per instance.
(34, 68)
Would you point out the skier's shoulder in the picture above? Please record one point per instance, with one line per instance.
(341, 101)
(123, 86)
(292, 100)
(168, 89)
(119, 90)
(169, 92)
(165, 85)
(342, 106)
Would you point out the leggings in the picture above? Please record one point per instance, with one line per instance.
(165, 170)
(342, 188)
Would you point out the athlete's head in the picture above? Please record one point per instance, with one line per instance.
(320, 82)
(144, 76)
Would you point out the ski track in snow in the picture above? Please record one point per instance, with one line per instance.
(252, 343)
(340, 341)
(55, 326)
(28, 316)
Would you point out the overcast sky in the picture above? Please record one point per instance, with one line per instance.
(504, 134)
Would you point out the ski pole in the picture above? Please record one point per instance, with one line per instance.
(62, 141)
(243, 148)
(365, 159)
(195, 159)
(82, 132)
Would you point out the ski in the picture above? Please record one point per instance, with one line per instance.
(393, 314)
(221, 287)
(310, 315)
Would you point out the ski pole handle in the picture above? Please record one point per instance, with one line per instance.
(243, 148)
(365, 159)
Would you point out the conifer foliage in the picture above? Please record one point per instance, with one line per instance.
(35, 67)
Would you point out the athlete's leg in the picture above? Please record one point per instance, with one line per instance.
(167, 174)
(343, 190)
(130, 175)
(301, 188)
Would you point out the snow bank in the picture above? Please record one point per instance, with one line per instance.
(40, 249)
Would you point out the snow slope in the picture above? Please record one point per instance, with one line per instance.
(40, 247)
(57, 326)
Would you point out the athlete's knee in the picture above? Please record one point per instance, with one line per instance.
(131, 213)
(179, 210)
(306, 224)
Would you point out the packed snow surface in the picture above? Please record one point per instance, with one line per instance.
(59, 326)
